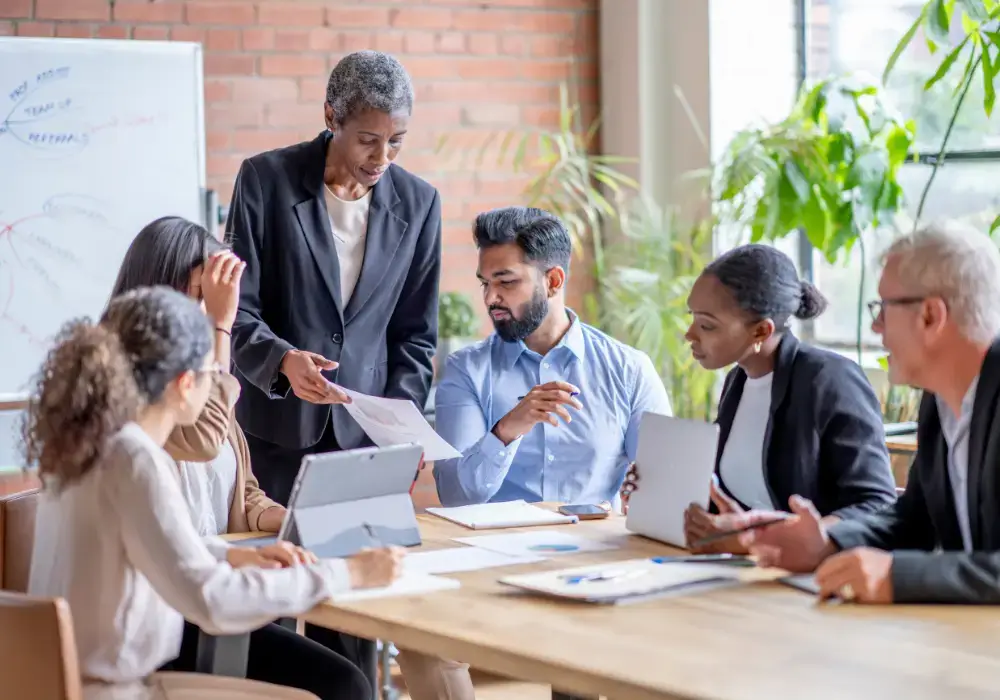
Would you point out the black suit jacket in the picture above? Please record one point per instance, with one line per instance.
(929, 564)
(384, 338)
(824, 439)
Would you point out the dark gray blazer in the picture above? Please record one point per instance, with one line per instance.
(824, 439)
(924, 519)
(385, 337)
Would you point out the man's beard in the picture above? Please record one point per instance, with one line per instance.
(526, 321)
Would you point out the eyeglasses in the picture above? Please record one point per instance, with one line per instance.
(875, 308)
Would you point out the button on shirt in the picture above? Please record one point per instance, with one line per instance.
(583, 461)
(956, 436)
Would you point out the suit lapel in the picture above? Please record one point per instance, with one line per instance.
(385, 231)
(315, 222)
(788, 348)
(938, 492)
(987, 394)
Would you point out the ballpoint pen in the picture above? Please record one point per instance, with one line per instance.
(371, 534)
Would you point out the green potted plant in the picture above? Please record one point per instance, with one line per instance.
(457, 322)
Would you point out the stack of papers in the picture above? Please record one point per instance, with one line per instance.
(500, 515)
(625, 581)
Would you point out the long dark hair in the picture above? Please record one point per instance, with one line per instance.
(97, 377)
(165, 252)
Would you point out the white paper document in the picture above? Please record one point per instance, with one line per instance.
(410, 583)
(456, 559)
(397, 422)
(541, 543)
(486, 516)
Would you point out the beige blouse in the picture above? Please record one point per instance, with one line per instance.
(121, 548)
(202, 441)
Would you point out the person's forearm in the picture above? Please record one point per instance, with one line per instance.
(477, 475)
(223, 346)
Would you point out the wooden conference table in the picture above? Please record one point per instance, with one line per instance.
(757, 640)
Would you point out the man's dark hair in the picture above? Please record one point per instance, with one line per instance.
(541, 236)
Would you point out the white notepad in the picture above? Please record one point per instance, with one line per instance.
(410, 583)
(488, 516)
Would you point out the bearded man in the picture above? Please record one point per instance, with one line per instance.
(547, 408)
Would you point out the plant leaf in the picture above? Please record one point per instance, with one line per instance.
(938, 22)
(989, 71)
(945, 65)
(901, 45)
(995, 225)
(975, 10)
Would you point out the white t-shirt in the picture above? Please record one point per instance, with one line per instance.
(349, 223)
(741, 468)
(209, 488)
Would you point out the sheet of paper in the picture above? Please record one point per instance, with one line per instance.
(410, 583)
(498, 515)
(625, 580)
(396, 422)
(456, 559)
(543, 543)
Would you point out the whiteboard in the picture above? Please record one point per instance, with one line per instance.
(97, 139)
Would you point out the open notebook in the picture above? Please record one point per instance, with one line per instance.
(624, 581)
(488, 516)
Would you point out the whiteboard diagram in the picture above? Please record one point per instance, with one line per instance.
(96, 140)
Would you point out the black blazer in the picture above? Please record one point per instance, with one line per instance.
(824, 439)
(924, 517)
(385, 336)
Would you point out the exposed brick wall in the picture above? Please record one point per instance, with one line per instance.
(480, 66)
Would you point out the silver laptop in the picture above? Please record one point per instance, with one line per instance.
(675, 459)
(345, 501)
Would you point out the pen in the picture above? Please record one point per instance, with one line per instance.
(729, 533)
(371, 534)
(572, 393)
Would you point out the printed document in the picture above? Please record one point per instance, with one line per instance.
(397, 422)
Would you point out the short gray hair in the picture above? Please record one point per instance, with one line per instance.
(368, 80)
(959, 264)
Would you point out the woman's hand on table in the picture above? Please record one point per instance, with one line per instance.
(699, 523)
(629, 486)
(375, 568)
(273, 556)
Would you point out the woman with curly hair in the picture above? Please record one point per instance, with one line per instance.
(113, 535)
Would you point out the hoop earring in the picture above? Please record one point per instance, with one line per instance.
(756, 348)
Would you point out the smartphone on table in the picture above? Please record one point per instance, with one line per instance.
(585, 511)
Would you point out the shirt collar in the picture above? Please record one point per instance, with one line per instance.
(573, 341)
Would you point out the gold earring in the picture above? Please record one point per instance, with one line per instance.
(756, 348)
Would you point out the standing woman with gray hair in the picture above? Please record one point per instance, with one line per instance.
(343, 257)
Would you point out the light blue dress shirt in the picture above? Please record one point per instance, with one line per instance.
(579, 462)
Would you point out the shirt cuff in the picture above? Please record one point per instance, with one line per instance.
(217, 546)
(336, 575)
(497, 454)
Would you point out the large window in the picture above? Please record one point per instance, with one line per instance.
(859, 36)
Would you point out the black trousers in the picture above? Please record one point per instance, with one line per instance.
(276, 468)
(278, 655)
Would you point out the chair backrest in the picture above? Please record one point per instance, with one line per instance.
(17, 538)
(38, 659)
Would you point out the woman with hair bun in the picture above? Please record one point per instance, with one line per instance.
(794, 420)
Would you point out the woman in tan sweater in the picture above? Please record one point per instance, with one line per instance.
(211, 454)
